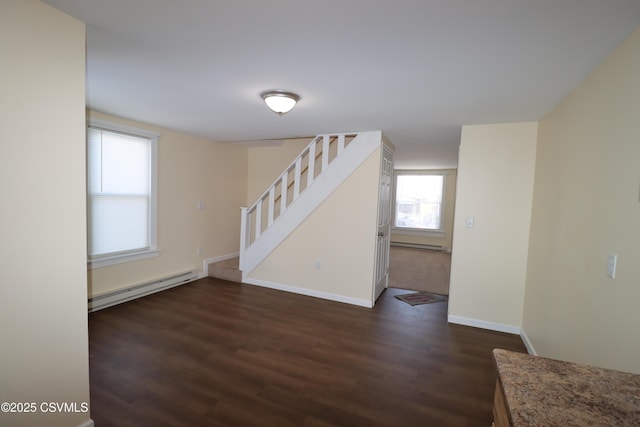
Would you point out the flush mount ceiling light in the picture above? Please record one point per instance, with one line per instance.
(279, 101)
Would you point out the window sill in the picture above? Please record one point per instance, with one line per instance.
(122, 258)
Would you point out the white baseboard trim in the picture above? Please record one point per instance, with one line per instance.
(499, 327)
(206, 262)
(88, 423)
(492, 326)
(308, 292)
(527, 343)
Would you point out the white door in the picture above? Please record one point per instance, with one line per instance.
(384, 224)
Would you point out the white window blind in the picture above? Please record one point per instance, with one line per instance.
(120, 193)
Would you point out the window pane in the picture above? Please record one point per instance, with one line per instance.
(117, 163)
(125, 164)
(117, 224)
(119, 192)
(94, 161)
(419, 201)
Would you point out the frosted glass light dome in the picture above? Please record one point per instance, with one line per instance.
(280, 102)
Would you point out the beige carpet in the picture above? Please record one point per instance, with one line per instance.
(419, 269)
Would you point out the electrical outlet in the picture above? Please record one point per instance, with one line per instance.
(201, 206)
(199, 250)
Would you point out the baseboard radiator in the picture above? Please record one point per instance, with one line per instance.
(418, 246)
(127, 294)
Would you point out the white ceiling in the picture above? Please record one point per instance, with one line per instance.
(416, 69)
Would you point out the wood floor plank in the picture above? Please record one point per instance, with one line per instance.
(216, 353)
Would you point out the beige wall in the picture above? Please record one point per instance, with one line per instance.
(43, 279)
(267, 163)
(449, 208)
(190, 169)
(340, 235)
(586, 205)
(495, 186)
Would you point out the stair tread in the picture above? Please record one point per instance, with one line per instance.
(227, 270)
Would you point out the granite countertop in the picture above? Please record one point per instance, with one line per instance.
(545, 392)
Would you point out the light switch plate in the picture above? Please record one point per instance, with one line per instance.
(470, 221)
(611, 265)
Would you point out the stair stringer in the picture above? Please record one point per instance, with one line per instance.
(322, 186)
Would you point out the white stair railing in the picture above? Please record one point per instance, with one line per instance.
(296, 178)
(309, 180)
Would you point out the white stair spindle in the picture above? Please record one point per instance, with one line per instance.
(272, 202)
(283, 191)
(340, 143)
(296, 178)
(325, 152)
(311, 168)
(258, 219)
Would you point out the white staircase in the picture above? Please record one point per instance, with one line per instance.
(319, 169)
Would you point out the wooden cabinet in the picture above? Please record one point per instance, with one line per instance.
(500, 414)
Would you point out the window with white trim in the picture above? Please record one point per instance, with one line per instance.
(121, 193)
(418, 200)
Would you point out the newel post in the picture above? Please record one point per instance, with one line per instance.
(244, 235)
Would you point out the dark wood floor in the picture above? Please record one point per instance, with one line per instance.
(216, 353)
